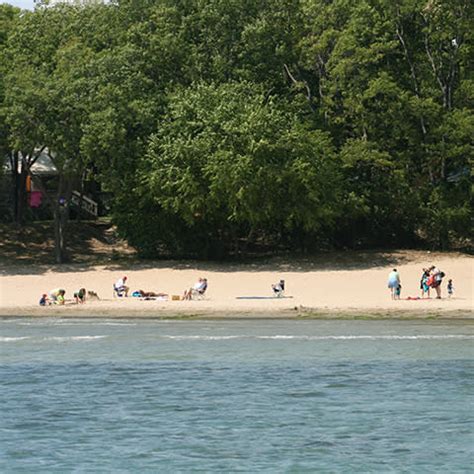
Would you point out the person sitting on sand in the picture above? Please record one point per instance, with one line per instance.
(393, 282)
(57, 296)
(150, 294)
(279, 288)
(199, 288)
(120, 286)
(80, 296)
(44, 300)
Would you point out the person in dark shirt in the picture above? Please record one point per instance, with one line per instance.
(43, 300)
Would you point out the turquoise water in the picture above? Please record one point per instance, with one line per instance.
(237, 396)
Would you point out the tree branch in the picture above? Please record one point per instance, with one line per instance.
(36, 156)
(414, 77)
(295, 82)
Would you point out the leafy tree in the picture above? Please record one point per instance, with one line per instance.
(214, 123)
(229, 161)
(381, 206)
(8, 18)
(47, 91)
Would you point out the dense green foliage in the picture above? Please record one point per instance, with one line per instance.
(221, 123)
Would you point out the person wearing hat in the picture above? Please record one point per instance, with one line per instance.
(121, 286)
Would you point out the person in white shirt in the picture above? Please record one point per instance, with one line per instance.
(437, 280)
(279, 288)
(199, 288)
(121, 286)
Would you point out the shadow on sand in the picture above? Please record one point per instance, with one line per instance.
(331, 261)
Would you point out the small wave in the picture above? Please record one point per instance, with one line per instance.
(93, 323)
(74, 323)
(371, 337)
(72, 338)
(12, 339)
(322, 338)
(204, 338)
(51, 338)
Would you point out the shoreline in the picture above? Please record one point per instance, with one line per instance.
(296, 314)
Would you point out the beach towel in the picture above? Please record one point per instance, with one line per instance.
(261, 297)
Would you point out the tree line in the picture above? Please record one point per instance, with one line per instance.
(220, 125)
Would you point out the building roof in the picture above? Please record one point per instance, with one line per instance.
(43, 166)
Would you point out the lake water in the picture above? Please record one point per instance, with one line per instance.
(237, 396)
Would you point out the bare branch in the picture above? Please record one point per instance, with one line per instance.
(298, 83)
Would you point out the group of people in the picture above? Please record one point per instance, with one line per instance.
(431, 278)
(58, 296)
(121, 289)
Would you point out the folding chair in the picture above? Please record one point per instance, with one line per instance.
(199, 294)
(279, 289)
(116, 292)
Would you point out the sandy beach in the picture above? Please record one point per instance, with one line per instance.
(336, 285)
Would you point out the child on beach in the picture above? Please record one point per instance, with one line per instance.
(43, 300)
(450, 288)
(398, 292)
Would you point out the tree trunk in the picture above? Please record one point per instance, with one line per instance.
(60, 219)
(20, 197)
(61, 216)
(15, 182)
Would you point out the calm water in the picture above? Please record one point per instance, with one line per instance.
(237, 396)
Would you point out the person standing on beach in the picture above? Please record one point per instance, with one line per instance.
(436, 279)
(393, 282)
(425, 288)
